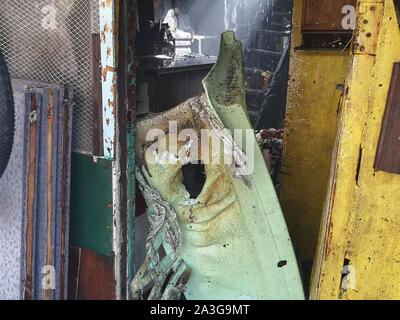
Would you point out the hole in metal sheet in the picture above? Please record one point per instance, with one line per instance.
(161, 253)
(282, 263)
(194, 178)
(348, 278)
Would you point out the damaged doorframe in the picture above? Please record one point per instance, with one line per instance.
(117, 36)
(113, 133)
(124, 184)
(129, 37)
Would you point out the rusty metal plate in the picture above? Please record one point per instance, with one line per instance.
(36, 212)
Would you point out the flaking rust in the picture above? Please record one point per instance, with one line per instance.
(108, 75)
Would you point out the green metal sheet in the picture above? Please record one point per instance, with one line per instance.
(225, 91)
(231, 242)
(91, 204)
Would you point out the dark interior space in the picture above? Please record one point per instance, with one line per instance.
(178, 44)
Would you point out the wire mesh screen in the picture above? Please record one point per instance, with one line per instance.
(51, 41)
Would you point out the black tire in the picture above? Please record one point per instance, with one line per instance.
(7, 116)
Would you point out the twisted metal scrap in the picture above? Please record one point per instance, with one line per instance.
(164, 234)
(238, 167)
(165, 230)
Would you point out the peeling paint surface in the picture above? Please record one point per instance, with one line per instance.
(360, 230)
(310, 133)
(108, 57)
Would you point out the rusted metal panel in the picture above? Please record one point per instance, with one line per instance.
(319, 15)
(370, 14)
(388, 153)
(48, 217)
(41, 200)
